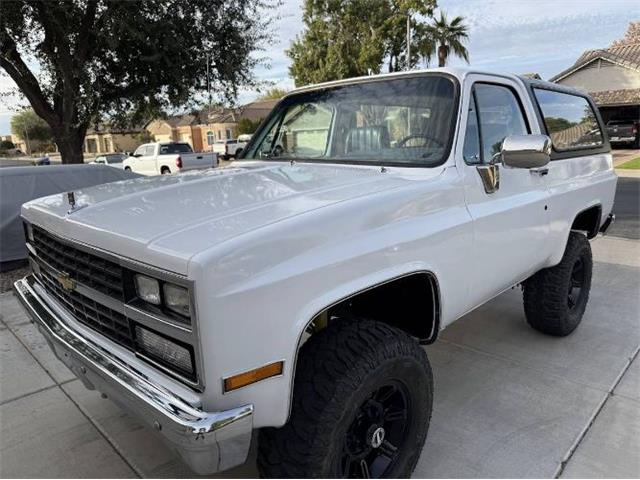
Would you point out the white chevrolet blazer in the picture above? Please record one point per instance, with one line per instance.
(291, 292)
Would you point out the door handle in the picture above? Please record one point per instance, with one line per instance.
(540, 170)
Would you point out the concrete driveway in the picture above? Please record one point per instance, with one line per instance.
(509, 402)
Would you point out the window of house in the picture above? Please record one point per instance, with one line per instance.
(571, 122)
(219, 135)
(92, 145)
(500, 115)
(228, 132)
(211, 139)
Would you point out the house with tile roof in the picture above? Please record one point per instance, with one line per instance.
(177, 128)
(223, 123)
(202, 129)
(611, 76)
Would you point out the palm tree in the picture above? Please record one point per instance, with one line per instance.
(449, 37)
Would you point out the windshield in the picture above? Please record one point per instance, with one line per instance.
(401, 121)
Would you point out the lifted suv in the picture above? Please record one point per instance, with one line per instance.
(292, 291)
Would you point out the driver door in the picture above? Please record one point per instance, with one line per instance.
(511, 221)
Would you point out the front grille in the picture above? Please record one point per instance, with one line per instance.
(90, 270)
(104, 320)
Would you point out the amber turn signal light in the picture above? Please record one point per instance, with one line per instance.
(253, 376)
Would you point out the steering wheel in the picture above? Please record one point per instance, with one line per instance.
(427, 138)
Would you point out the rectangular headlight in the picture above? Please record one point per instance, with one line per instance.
(148, 289)
(176, 299)
(165, 350)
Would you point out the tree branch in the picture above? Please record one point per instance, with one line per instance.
(13, 64)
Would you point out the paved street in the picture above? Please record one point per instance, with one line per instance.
(627, 209)
(509, 402)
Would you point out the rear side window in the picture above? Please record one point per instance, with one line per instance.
(571, 122)
(175, 148)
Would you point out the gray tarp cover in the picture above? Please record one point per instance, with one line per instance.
(21, 184)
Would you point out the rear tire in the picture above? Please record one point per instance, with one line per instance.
(555, 298)
(165, 171)
(362, 403)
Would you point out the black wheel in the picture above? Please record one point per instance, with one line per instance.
(361, 406)
(128, 169)
(165, 171)
(555, 298)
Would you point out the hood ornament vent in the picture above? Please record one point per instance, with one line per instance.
(71, 198)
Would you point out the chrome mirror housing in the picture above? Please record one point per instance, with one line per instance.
(526, 151)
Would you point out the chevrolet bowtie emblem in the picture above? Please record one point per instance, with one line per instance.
(66, 282)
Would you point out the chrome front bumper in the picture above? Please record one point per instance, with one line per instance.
(207, 441)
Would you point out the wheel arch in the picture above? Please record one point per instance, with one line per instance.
(588, 220)
(431, 327)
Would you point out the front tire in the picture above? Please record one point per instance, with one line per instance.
(362, 403)
(555, 298)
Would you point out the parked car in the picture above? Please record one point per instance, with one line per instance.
(624, 132)
(293, 292)
(227, 149)
(162, 158)
(112, 159)
(42, 161)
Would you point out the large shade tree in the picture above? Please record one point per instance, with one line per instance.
(78, 61)
(348, 38)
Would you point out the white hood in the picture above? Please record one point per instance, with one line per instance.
(165, 220)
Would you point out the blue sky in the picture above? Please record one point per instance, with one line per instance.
(518, 36)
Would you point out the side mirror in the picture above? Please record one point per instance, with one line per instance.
(526, 151)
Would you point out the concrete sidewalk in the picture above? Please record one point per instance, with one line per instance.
(509, 402)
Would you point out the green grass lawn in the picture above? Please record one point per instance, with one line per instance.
(631, 164)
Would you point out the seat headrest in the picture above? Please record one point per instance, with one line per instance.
(371, 138)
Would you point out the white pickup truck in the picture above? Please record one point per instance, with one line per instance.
(163, 158)
(227, 149)
(293, 292)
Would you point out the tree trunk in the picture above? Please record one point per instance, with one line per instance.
(443, 52)
(70, 145)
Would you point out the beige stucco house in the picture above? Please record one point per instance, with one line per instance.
(223, 122)
(611, 76)
(179, 128)
(105, 139)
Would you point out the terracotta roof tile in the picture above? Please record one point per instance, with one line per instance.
(617, 97)
(625, 55)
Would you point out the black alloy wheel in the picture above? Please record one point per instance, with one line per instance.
(377, 434)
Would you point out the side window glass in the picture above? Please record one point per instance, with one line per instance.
(149, 151)
(139, 151)
(500, 116)
(471, 150)
(570, 120)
